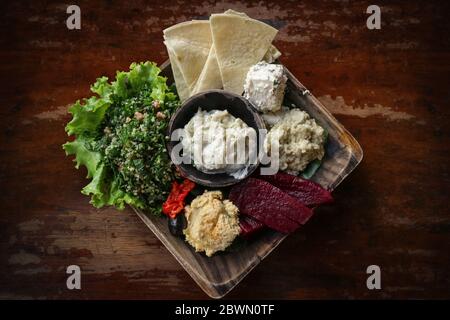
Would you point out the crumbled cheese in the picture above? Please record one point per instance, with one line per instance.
(264, 86)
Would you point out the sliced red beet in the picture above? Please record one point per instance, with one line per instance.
(270, 205)
(249, 226)
(236, 192)
(308, 192)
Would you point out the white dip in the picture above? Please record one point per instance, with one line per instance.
(300, 140)
(265, 85)
(218, 142)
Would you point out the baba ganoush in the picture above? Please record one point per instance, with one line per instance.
(217, 142)
(300, 140)
(264, 86)
(272, 118)
(212, 223)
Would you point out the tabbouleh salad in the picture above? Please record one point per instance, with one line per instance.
(120, 139)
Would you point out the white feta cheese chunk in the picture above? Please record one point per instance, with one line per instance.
(265, 85)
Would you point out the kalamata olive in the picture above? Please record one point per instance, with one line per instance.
(177, 225)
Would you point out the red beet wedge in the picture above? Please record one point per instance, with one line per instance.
(270, 205)
(249, 226)
(308, 192)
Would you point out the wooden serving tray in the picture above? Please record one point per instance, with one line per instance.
(220, 273)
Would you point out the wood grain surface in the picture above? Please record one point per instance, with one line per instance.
(389, 87)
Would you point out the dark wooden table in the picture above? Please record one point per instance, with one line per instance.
(389, 87)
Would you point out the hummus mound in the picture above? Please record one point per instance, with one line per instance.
(212, 223)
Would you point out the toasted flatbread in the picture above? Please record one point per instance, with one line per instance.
(240, 42)
(273, 53)
(210, 77)
(190, 43)
(180, 83)
(237, 13)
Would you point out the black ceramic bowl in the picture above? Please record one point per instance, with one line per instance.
(209, 100)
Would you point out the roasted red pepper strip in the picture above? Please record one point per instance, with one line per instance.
(175, 202)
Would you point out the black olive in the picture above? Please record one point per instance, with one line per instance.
(197, 191)
(177, 225)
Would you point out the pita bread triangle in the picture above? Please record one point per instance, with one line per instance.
(239, 42)
(189, 43)
(210, 77)
(273, 53)
(182, 88)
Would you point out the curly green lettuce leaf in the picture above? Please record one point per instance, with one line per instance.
(104, 192)
(98, 188)
(130, 83)
(83, 155)
(102, 87)
(101, 189)
(87, 117)
(118, 198)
